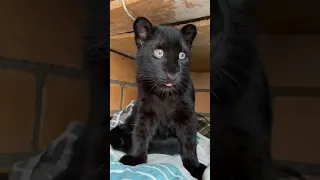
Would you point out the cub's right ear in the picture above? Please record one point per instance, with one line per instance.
(142, 30)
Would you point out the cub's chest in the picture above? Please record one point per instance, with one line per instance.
(165, 106)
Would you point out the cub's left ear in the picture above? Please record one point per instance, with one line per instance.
(142, 29)
(189, 32)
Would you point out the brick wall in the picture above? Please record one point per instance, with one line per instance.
(123, 88)
(36, 105)
(292, 64)
(42, 85)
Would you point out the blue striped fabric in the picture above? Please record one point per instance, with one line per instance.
(162, 171)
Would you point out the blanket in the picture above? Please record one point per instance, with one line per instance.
(158, 166)
(55, 158)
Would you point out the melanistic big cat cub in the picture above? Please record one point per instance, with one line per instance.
(164, 115)
(240, 102)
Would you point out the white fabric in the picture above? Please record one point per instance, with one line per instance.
(203, 152)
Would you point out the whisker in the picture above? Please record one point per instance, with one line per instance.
(243, 70)
(218, 76)
(153, 87)
(229, 75)
(215, 95)
(180, 85)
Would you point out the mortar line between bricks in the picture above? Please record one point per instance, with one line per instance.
(35, 67)
(121, 95)
(294, 91)
(119, 53)
(122, 83)
(302, 167)
(41, 77)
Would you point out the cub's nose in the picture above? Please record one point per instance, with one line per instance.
(172, 76)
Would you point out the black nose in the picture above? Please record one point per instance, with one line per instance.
(172, 76)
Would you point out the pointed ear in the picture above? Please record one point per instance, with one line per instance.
(142, 30)
(189, 32)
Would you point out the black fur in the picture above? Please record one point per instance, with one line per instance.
(162, 113)
(240, 101)
(120, 139)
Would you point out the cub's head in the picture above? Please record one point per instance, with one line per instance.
(163, 56)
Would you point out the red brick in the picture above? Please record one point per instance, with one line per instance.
(203, 102)
(122, 68)
(282, 57)
(37, 33)
(115, 95)
(64, 100)
(296, 129)
(129, 93)
(201, 80)
(5, 170)
(17, 111)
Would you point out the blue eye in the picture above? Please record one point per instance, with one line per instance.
(158, 53)
(182, 55)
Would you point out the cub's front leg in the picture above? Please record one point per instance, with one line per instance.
(142, 134)
(187, 134)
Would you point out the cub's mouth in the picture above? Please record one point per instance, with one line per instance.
(169, 84)
(171, 79)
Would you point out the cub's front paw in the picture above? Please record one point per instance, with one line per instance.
(197, 172)
(130, 160)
